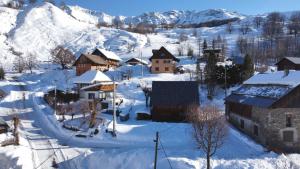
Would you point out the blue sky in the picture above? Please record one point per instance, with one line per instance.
(136, 7)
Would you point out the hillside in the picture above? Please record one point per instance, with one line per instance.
(157, 18)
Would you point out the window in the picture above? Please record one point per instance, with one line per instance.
(288, 136)
(242, 123)
(255, 130)
(156, 68)
(166, 68)
(157, 61)
(167, 61)
(91, 95)
(288, 120)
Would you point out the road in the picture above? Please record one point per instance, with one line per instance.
(44, 148)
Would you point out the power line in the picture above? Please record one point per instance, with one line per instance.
(165, 153)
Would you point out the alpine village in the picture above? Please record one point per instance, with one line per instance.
(190, 89)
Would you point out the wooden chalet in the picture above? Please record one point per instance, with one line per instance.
(100, 60)
(88, 62)
(136, 61)
(289, 63)
(170, 100)
(162, 61)
(94, 84)
(267, 108)
(111, 58)
(213, 52)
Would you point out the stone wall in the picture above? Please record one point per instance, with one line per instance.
(271, 125)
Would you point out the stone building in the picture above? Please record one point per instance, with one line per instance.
(162, 61)
(267, 108)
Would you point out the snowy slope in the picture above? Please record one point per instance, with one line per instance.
(41, 28)
(169, 17)
(89, 16)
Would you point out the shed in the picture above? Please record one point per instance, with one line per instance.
(290, 63)
(170, 100)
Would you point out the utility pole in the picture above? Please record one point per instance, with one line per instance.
(55, 98)
(225, 79)
(114, 110)
(141, 56)
(156, 146)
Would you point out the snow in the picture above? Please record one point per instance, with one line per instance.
(140, 60)
(110, 55)
(91, 77)
(39, 28)
(276, 78)
(169, 17)
(271, 91)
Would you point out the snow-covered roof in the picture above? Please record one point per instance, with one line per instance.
(292, 78)
(110, 55)
(91, 77)
(138, 59)
(295, 60)
(98, 84)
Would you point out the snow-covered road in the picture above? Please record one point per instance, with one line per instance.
(44, 148)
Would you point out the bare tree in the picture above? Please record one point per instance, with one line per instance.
(209, 129)
(229, 27)
(190, 51)
(19, 63)
(32, 1)
(258, 20)
(84, 107)
(273, 25)
(294, 23)
(16, 122)
(31, 62)
(182, 37)
(245, 28)
(62, 56)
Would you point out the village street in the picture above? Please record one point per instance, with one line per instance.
(44, 147)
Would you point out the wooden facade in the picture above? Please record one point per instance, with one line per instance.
(111, 63)
(288, 64)
(89, 62)
(170, 100)
(162, 61)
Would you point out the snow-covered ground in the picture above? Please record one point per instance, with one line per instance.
(134, 147)
(38, 29)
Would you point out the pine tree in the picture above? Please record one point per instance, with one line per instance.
(204, 45)
(210, 78)
(2, 73)
(248, 67)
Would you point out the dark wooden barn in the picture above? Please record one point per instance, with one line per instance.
(289, 63)
(170, 100)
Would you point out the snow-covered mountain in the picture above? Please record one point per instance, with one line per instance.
(169, 17)
(37, 29)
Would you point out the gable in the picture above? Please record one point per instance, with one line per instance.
(163, 53)
(89, 59)
(82, 60)
(290, 100)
